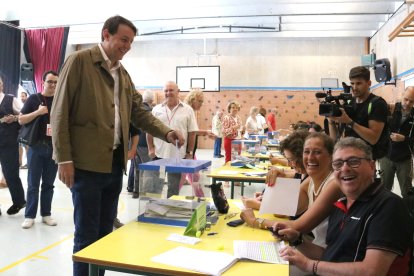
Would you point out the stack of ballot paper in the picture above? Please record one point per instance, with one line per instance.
(169, 208)
(208, 262)
(216, 263)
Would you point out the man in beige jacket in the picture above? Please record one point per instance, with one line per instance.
(94, 104)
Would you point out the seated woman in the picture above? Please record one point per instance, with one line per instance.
(317, 157)
(292, 148)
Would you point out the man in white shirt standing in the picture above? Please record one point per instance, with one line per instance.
(180, 116)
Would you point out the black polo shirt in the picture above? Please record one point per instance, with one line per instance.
(378, 219)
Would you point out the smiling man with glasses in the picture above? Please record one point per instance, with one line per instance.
(369, 231)
(42, 167)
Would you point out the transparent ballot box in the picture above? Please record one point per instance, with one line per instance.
(239, 146)
(171, 189)
(260, 137)
(273, 138)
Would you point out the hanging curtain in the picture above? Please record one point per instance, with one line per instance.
(10, 48)
(46, 50)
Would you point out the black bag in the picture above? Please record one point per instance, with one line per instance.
(219, 198)
(29, 133)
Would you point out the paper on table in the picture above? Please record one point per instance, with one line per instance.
(209, 262)
(255, 173)
(183, 239)
(282, 198)
(228, 172)
(261, 251)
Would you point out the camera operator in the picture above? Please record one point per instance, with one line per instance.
(398, 159)
(367, 116)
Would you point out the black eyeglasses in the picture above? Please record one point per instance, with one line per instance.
(353, 162)
(290, 160)
(51, 82)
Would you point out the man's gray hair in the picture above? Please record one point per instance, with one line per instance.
(148, 96)
(356, 143)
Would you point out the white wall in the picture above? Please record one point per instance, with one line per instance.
(247, 63)
(399, 51)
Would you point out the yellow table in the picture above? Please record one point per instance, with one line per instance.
(260, 156)
(218, 175)
(131, 247)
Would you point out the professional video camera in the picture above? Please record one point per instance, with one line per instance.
(330, 106)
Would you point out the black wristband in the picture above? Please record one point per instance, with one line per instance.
(351, 124)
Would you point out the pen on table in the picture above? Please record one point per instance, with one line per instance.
(212, 234)
(229, 216)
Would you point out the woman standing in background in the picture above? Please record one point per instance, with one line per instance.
(253, 126)
(232, 125)
(195, 99)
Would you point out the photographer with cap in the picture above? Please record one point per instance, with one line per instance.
(367, 116)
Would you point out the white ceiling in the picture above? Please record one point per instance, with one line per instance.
(187, 19)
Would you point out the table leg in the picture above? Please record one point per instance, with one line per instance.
(93, 270)
(232, 189)
(242, 188)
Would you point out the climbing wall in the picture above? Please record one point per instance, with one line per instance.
(292, 106)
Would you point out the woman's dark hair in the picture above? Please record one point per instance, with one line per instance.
(328, 142)
(294, 143)
(316, 127)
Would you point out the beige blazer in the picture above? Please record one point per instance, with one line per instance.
(83, 112)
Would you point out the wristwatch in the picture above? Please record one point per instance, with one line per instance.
(351, 124)
(260, 221)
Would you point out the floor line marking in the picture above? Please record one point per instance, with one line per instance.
(35, 255)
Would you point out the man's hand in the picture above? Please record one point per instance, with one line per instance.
(174, 135)
(396, 137)
(66, 173)
(9, 119)
(151, 152)
(211, 135)
(131, 153)
(42, 110)
(344, 118)
(188, 156)
(283, 231)
(296, 258)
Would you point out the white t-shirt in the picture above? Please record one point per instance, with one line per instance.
(181, 118)
(262, 122)
(253, 126)
(216, 126)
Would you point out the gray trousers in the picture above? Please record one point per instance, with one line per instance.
(404, 171)
(152, 183)
(142, 157)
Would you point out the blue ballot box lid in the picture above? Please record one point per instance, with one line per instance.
(258, 136)
(248, 142)
(173, 165)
